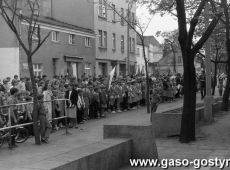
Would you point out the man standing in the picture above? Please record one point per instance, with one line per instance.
(202, 84)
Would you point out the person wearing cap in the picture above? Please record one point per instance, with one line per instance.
(125, 96)
(14, 84)
(12, 100)
(96, 101)
(86, 96)
(103, 100)
(119, 90)
(80, 106)
(15, 78)
(112, 94)
(45, 126)
(2, 88)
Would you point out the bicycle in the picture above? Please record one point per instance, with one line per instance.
(21, 134)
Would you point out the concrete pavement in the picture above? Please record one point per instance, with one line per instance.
(213, 141)
(91, 132)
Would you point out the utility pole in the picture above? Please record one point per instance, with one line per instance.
(208, 100)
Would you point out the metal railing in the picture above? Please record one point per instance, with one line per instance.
(7, 111)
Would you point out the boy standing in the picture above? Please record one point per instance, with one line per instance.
(45, 126)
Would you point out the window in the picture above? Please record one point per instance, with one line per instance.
(36, 12)
(114, 13)
(55, 36)
(114, 41)
(133, 45)
(138, 51)
(130, 44)
(102, 38)
(133, 19)
(122, 16)
(105, 39)
(37, 69)
(88, 69)
(122, 44)
(71, 39)
(87, 42)
(35, 34)
(102, 8)
(179, 59)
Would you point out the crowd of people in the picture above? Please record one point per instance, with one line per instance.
(84, 99)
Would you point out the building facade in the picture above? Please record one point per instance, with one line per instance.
(140, 68)
(112, 36)
(153, 52)
(9, 52)
(70, 48)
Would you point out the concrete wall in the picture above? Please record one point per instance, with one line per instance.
(59, 50)
(169, 123)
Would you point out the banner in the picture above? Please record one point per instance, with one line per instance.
(111, 74)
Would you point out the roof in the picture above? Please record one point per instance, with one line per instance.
(151, 40)
(55, 22)
(148, 40)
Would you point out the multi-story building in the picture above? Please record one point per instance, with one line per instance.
(140, 68)
(70, 48)
(112, 36)
(153, 52)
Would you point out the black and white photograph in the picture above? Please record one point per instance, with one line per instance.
(114, 84)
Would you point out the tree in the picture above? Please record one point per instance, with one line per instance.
(171, 45)
(139, 29)
(189, 49)
(225, 7)
(26, 11)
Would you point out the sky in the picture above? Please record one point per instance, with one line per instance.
(165, 23)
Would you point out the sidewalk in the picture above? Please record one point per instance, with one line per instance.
(212, 141)
(91, 132)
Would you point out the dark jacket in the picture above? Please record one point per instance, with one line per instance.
(73, 97)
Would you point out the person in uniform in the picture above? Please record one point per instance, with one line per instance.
(202, 84)
(80, 106)
(103, 100)
(86, 96)
(220, 85)
(112, 94)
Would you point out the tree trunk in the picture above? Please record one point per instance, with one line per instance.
(227, 88)
(187, 132)
(35, 100)
(214, 78)
(147, 75)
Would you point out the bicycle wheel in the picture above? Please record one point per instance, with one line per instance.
(22, 135)
(1, 139)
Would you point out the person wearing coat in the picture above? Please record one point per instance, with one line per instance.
(72, 96)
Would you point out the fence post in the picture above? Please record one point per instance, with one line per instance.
(10, 131)
(66, 116)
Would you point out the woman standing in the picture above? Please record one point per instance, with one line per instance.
(48, 95)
